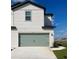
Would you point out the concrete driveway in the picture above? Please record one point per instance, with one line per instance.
(32, 53)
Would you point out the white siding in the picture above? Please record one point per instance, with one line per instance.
(37, 19)
(11, 18)
(14, 39)
(34, 26)
(52, 38)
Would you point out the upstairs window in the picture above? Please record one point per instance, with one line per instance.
(28, 16)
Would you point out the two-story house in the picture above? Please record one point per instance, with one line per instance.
(31, 26)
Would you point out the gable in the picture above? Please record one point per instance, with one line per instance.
(22, 5)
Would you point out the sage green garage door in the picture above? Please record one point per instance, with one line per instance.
(34, 39)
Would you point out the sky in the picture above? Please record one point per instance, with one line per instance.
(59, 9)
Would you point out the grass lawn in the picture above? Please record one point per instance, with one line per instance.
(61, 54)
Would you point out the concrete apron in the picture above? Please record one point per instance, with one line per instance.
(32, 53)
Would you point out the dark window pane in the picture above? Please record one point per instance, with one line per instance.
(28, 18)
(28, 15)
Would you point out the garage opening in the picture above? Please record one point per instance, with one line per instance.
(33, 39)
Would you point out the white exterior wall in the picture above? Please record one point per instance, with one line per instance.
(14, 39)
(52, 38)
(37, 19)
(33, 26)
(11, 18)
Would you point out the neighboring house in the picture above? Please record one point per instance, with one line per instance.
(31, 26)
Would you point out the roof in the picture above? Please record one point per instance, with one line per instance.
(27, 2)
(48, 27)
(49, 14)
(13, 7)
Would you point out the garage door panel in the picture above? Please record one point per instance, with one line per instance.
(34, 39)
(25, 42)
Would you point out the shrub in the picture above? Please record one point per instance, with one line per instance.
(56, 44)
(60, 43)
(63, 43)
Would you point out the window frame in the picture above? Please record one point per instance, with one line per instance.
(30, 15)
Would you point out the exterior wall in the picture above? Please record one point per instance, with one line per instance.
(11, 18)
(51, 38)
(37, 19)
(14, 39)
(33, 26)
